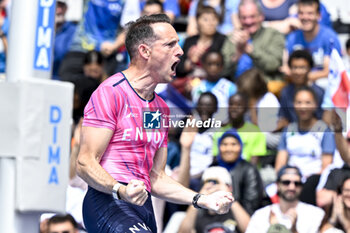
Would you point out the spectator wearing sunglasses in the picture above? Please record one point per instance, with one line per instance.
(290, 212)
(62, 224)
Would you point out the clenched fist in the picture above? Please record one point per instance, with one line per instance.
(220, 202)
(135, 192)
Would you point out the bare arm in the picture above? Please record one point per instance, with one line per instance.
(94, 142)
(241, 216)
(284, 26)
(188, 224)
(281, 159)
(168, 189)
(165, 187)
(88, 162)
(326, 159)
(107, 47)
(340, 141)
(186, 140)
(314, 75)
(191, 26)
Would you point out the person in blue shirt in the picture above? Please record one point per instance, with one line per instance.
(100, 29)
(308, 143)
(300, 63)
(64, 32)
(314, 37)
(170, 7)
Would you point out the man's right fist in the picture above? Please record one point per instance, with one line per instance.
(135, 192)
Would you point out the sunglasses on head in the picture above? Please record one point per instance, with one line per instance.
(287, 182)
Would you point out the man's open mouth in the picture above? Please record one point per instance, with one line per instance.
(173, 67)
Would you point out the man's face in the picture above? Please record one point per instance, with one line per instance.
(64, 227)
(165, 53)
(61, 9)
(250, 18)
(308, 16)
(290, 186)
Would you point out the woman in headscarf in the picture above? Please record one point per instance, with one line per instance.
(246, 181)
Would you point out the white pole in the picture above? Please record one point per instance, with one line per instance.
(20, 60)
(19, 63)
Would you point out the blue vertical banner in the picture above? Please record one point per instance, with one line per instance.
(44, 33)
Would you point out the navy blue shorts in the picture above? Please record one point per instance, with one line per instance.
(103, 214)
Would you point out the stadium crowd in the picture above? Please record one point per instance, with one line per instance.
(261, 68)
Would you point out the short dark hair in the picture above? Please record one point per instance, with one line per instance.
(341, 186)
(211, 95)
(92, 57)
(155, 2)
(301, 54)
(210, 51)
(308, 89)
(310, 2)
(58, 218)
(241, 95)
(347, 44)
(140, 31)
(206, 10)
(202, 8)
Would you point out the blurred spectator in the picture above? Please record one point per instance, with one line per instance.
(213, 63)
(300, 63)
(289, 213)
(253, 139)
(194, 47)
(340, 217)
(101, 30)
(280, 15)
(253, 45)
(226, 10)
(92, 67)
(314, 37)
(200, 220)
(64, 32)
(307, 143)
(200, 148)
(152, 7)
(170, 7)
(326, 195)
(62, 224)
(263, 105)
(246, 181)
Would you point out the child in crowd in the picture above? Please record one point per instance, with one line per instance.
(222, 88)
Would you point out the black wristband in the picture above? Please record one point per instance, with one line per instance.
(195, 200)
